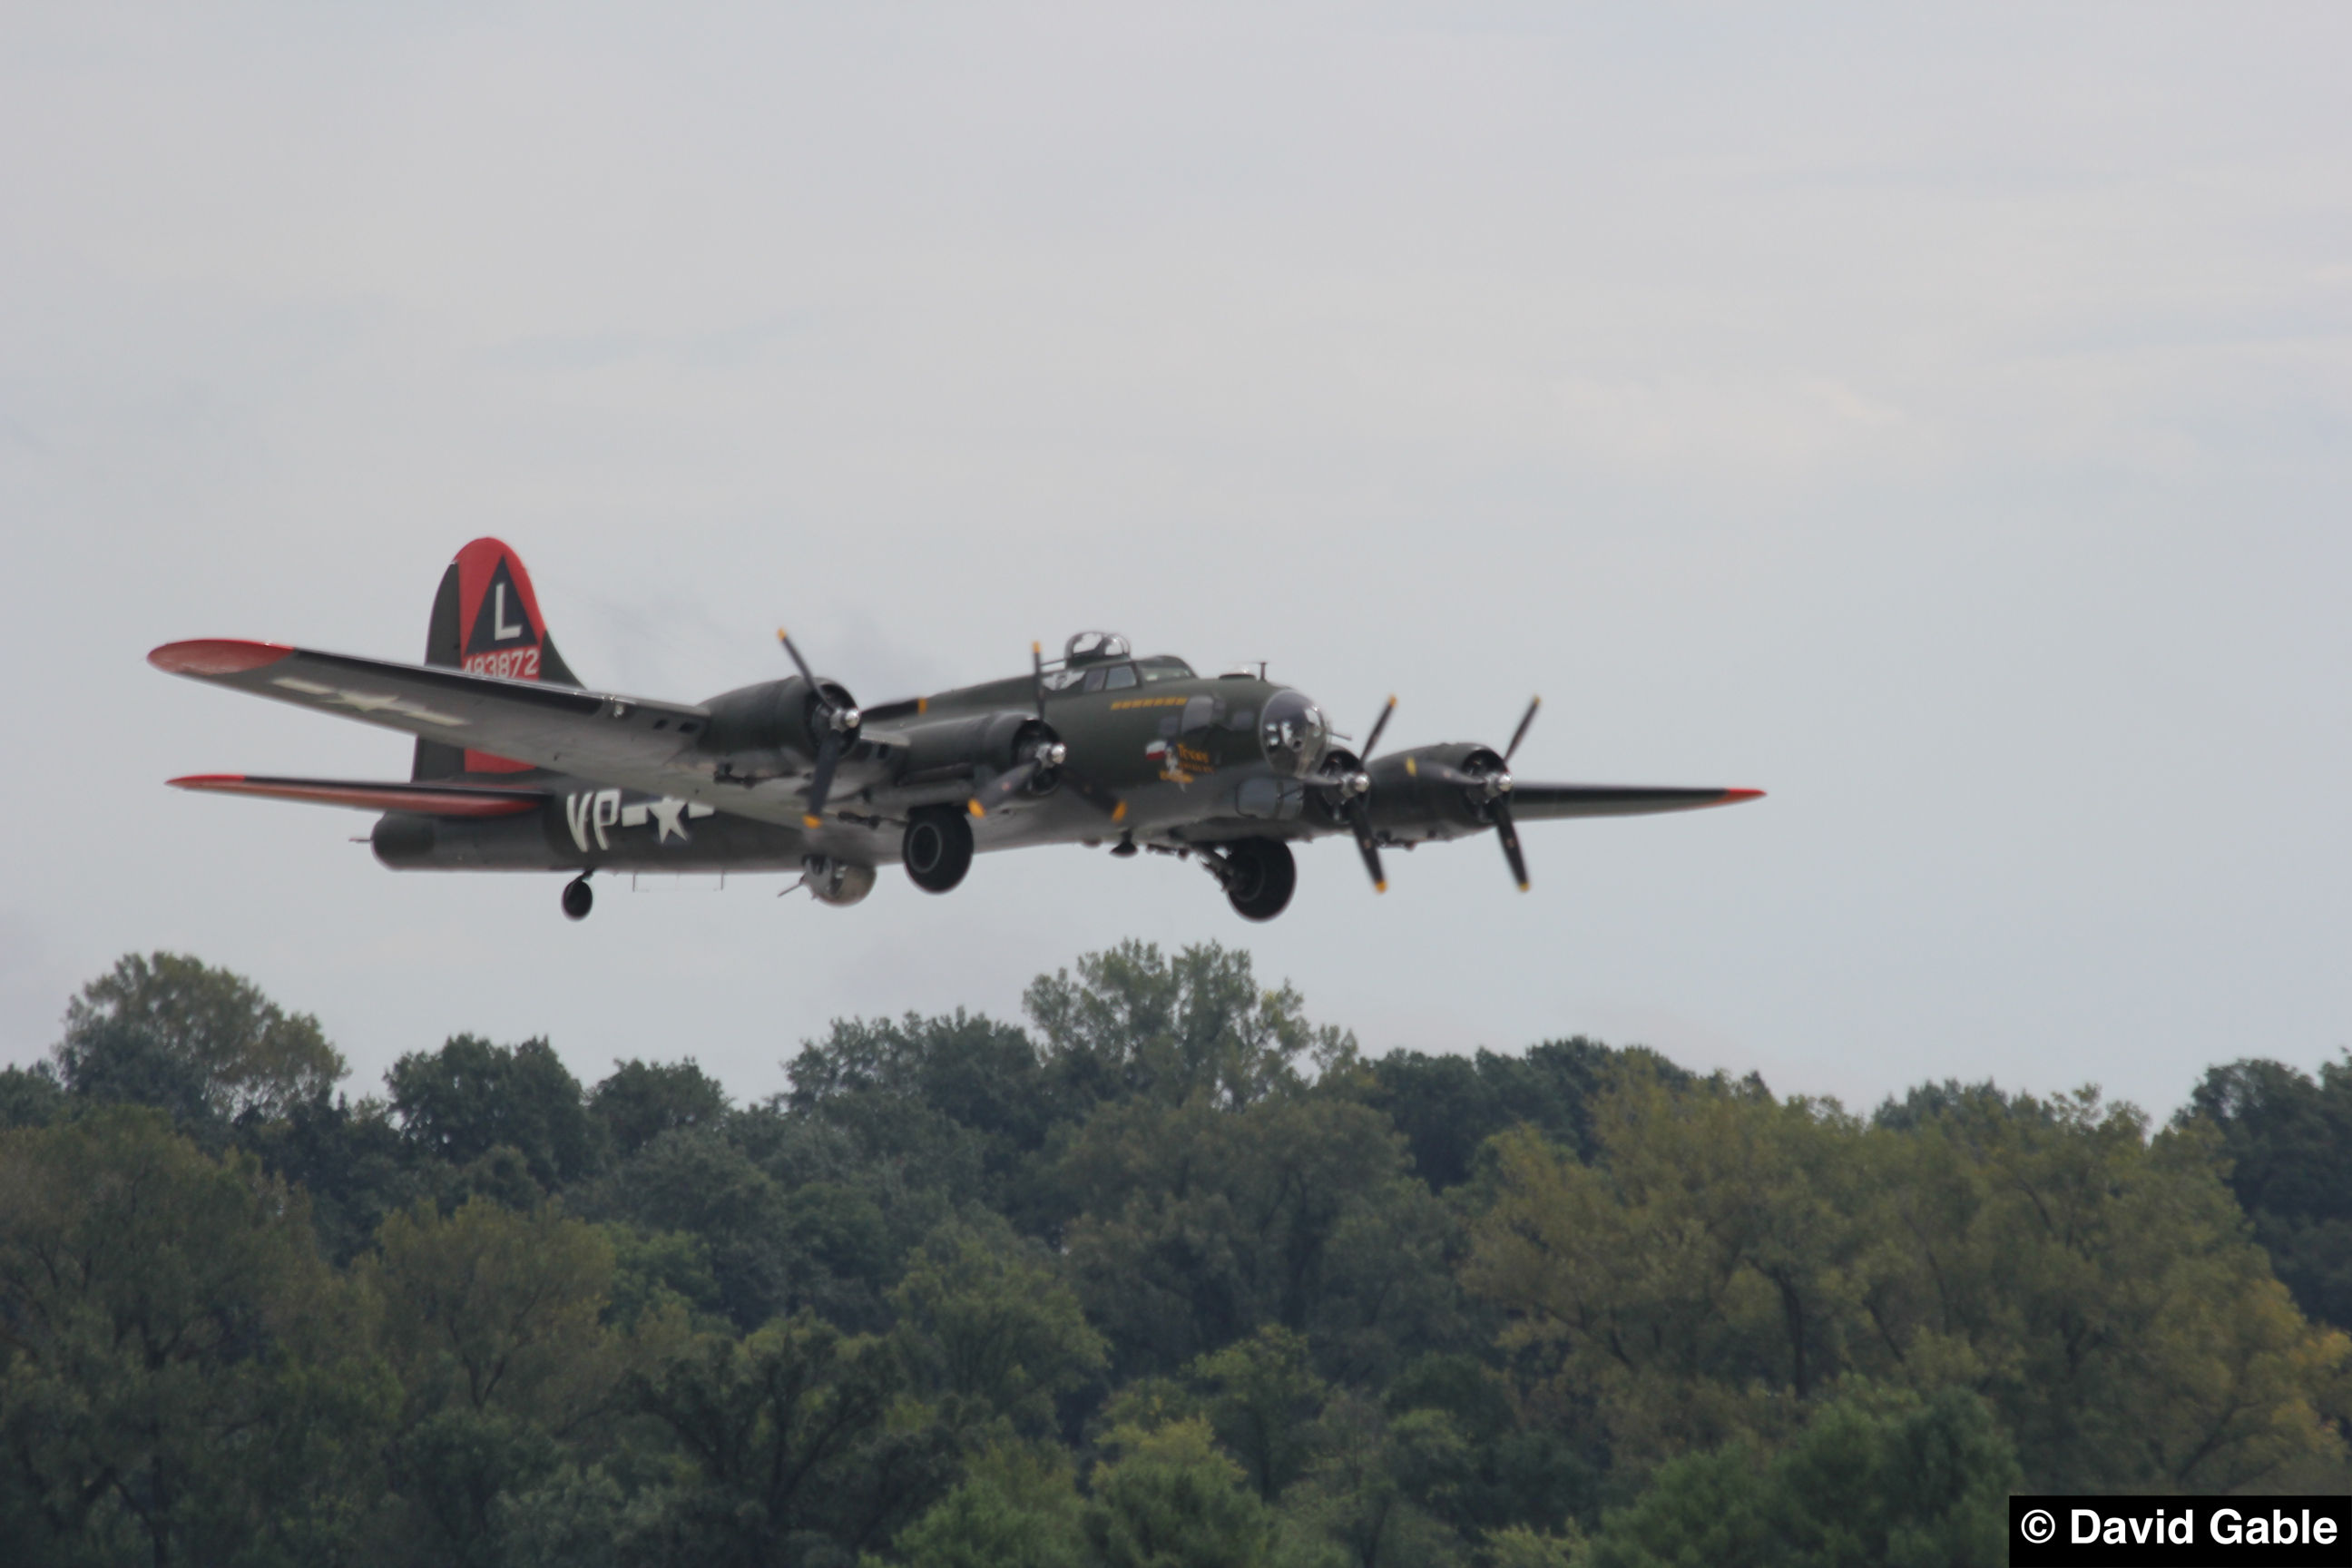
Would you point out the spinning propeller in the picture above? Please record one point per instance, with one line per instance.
(839, 722)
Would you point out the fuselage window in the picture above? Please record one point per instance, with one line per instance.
(1120, 674)
(1094, 681)
(1163, 667)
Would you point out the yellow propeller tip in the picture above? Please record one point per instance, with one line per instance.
(1118, 811)
(780, 636)
(1380, 886)
(1523, 886)
(812, 821)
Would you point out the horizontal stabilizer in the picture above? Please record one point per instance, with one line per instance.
(422, 799)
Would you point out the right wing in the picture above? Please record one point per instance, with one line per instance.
(1545, 801)
(625, 741)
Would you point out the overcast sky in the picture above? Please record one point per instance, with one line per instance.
(1938, 422)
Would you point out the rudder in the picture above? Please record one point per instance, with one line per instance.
(486, 620)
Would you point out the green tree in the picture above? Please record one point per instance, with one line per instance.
(1447, 1106)
(961, 1079)
(1262, 1397)
(1379, 1486)
(30, 1096)
(181, 1379)
(1885, 1481)
(467, 1099)
(349, 1159)
(2288, 1140)
(992, 1329)
(1170, 1499)
(1200, 1224)
(163, 1029)
(491, 1318)
(798, 1446)
(641, 1100)
(1194, 1027)
(1729, 1257)
(1018, 1507)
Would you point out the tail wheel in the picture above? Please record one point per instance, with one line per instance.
(578, 899)
(937, 849)
(1260, 876)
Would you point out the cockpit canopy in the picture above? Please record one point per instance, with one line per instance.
(1102, 661)
(1094, 647)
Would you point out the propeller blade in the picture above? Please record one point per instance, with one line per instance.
(1359, 817)
(828, 757)
(1508, 833)
(801, 664)
(1379, 724)
(1003, 787)
(1094, 795)
(1520, 734)
(1037, 677)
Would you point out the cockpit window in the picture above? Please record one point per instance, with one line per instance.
(1293, 733)
(1119, 674)
(1094, 647)
(1163, 667)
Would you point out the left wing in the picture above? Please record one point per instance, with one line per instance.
(626, 741)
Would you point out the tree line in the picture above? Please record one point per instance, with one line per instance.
(1169, 1274)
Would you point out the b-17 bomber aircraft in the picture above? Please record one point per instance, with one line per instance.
(520, 767)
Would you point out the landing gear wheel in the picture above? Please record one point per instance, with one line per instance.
(578, 897)
(938, 848)
(1260, 875)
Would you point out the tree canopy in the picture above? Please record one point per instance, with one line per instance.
(1165, 1274)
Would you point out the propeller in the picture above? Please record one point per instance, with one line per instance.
(1490, 791)
(1498, 799)
(1354, 790)
(1041, 753)
(840, 731)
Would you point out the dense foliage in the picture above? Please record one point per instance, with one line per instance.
(1170, 1276)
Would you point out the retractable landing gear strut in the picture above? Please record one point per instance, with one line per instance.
(1258, 875)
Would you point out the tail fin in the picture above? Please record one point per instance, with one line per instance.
(486, 619)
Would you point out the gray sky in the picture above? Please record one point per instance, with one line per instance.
(1938, 422)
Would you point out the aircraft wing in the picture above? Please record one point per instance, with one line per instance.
(625, 741)
(1542, 802)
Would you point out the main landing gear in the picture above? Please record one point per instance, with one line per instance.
(937, 849)
(578, 897)
(1258, 874)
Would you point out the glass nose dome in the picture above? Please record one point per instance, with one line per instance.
(1293, 733)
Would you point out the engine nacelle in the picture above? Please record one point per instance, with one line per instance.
(835, 881)
(1411, 797)
(987, 740)
(770, 728)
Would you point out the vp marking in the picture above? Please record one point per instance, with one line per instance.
(596, 812)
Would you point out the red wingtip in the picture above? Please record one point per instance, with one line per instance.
(1734, 796)
(216, 655)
